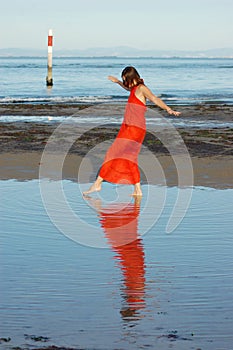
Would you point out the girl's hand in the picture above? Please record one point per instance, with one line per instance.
(171, 112)
(113, 79)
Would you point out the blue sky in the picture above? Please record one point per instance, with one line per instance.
(149, 24)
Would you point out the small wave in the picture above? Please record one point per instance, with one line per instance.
(94, 66)
(163, 95)
(74, 99)
(179, 99)
(90, 120)
(199, 99)
(200, 124)
(22, 66)
(31, 119)
(114, 120)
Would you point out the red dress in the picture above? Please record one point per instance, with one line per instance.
(121, 161)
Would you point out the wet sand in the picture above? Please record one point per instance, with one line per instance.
(211, 149)
(209, 171)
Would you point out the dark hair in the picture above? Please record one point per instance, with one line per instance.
(131, 77)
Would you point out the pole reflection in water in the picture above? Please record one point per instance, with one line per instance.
(119, 222)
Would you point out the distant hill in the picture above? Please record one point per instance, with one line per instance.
(17, 52)
(120, 51)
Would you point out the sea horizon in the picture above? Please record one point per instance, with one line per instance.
(119, 52)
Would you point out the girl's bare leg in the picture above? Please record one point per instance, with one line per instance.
(137, 190)
(96, 187)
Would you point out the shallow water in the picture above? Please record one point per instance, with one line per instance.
(93, 120)
(178, 297)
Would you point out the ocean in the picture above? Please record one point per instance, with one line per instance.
(179, 81)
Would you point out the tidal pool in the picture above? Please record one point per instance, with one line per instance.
(118, 280)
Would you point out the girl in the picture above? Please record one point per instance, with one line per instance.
(121, 165)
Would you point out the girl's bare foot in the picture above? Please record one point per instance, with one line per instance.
(93, 188)
(96, 187)
(137, 194)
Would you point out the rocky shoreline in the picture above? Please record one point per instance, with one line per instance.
(26, 136)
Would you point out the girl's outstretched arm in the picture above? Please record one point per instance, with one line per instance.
(115, 80)
(156, 100)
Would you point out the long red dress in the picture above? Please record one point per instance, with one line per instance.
(120, 165)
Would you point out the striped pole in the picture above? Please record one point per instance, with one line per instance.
(49, 78)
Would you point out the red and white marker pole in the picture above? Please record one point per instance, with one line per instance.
(49, 78)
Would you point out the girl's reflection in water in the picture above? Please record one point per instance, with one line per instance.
(120, 225)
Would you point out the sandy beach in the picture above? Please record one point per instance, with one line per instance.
(66, 287)
(211, 149)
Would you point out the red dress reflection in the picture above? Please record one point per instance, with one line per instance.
(120, 224)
